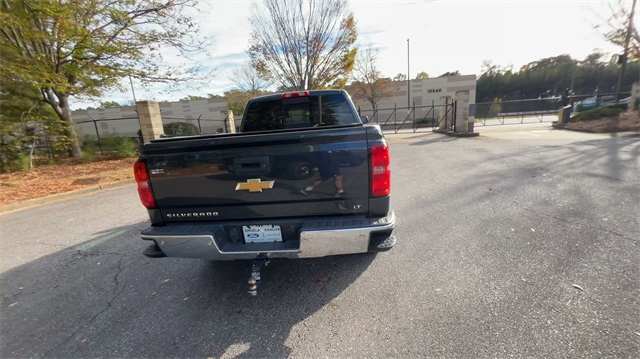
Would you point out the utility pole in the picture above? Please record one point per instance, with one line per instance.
(409, 79)
(623, 64)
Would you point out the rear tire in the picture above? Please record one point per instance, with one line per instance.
(300, 170)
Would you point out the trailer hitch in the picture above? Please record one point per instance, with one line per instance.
(258, 263)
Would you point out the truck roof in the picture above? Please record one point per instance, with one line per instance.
(277, 96)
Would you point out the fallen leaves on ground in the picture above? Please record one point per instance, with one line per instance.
(69, 175)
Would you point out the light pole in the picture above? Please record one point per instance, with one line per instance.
(408, 80)
(132, 90)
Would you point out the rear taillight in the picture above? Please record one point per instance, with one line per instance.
(380, 173)
(144, 189)
(295, 94)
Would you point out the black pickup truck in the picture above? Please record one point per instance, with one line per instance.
(304, 177)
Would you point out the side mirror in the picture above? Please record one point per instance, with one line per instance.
(364, 119)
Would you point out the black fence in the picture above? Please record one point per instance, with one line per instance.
(501, 108)
(99, 129)
(532, 110)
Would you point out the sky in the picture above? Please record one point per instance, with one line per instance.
(443, 36)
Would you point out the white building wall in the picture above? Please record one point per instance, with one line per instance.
(426, 92)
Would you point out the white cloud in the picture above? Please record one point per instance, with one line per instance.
(444, 36)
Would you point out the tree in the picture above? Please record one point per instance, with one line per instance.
(619, 25)
(400, 77)
(369, 83)
(621, 30)
(551, 76)
(25, 120)
(237, 100)
(303, 44)
(180, 129)
(247, 79)
(110, 104)
(422, 75)
(450, 73)
(193, 97)
(81, 48)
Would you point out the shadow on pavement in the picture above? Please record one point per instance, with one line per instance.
(109, 300)
(434, 139)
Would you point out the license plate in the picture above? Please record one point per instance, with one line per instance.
(266, 233)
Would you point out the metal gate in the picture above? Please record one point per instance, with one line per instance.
(413, 118)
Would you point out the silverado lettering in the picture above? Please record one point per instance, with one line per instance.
(183, 215)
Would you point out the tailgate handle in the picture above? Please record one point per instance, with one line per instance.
(251, 166)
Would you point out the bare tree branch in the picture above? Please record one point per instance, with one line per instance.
(303, 44)
(369, 83)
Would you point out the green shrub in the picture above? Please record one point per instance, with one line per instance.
(597, 113)
(18, 162)
(90, 144)
(121, 146)
(88, 155)
(180, 129)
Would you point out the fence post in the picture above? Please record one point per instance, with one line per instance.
(433, 113)
(395, 111)
(95, 124)
(446, 113)
(374, 114)
(48, 141)
(414, 116)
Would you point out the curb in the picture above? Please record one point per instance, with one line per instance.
(621, 133)
(457, 134)
(62, 196)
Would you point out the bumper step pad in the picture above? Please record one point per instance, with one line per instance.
(383, 244)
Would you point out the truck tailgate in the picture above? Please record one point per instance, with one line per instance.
(261, 175)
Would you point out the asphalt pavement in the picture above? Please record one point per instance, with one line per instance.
(522, 242)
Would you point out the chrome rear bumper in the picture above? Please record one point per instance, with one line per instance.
(318, 238)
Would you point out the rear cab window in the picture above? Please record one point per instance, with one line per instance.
(317, 109)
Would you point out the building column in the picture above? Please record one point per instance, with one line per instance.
(445, 115)
(150, 120)
(462, 111)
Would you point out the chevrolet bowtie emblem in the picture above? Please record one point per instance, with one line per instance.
(254, 185)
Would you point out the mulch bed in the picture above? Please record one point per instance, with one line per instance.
(66, 176)
(625, 122)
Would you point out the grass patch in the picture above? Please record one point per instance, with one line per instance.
(597, 113)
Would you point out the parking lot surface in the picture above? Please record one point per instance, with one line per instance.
(522, 242)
